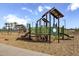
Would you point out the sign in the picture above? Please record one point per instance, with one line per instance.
(54, 30)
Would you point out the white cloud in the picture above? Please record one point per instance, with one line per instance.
(23, 8)
(27, 9)
(73, 6)
(40, 8)
(47, 7)
(12, 18)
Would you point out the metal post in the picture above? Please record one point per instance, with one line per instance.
(40, 26)
(29, 31)
(46, 25)
(36, 30)
(58, 30)
(46, 19)
(49, 27)
(53, 21)
(63, 32)
(65, 25)
(37, 27)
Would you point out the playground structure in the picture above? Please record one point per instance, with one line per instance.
(44, 28)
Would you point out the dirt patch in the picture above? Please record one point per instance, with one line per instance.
(65, 47)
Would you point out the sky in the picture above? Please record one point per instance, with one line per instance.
(24, 13)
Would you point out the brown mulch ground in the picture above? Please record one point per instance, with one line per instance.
(65, 47)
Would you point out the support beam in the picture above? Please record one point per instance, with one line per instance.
(36, 28)
(40, 27)
(49, 27)
(53, 21)
(46, 18)
(58, 30)
(46, 24)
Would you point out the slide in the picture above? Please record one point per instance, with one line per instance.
(67, 35)
(26, 34)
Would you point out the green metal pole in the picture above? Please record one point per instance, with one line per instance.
(58, 30)
(40, 27)
(46, 25)
(49, 28)
(53, 21)
(29, 29)
(36, 28)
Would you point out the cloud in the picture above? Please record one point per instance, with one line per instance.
(27, 9)
(23, 8)
(12, 18)
(40, 8)
(47, 7)
(73, 6)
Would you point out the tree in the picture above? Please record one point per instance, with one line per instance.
(15, 23)
(20, 28)
(6, 25)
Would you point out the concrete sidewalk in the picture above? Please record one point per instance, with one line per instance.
(7, 50)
